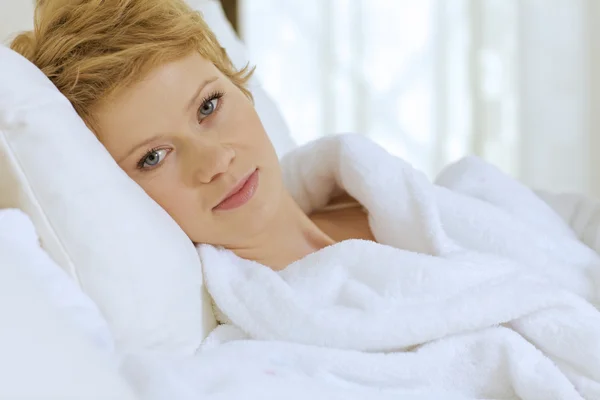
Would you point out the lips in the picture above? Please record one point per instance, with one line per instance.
(240, 194)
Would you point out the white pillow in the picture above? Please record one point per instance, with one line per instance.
(126, 253)
(18, 234)
(42, 357)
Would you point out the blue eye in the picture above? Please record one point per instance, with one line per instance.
(152, 158)
(209, 106)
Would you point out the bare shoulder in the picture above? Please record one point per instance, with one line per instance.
(342, 219)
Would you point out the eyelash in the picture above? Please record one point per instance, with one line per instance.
(140, 164)
(214, 95)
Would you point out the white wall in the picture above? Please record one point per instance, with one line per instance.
(15, 16)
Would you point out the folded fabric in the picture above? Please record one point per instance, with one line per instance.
(18, 233)
(582, 213)
(477, 287)
(47, 329)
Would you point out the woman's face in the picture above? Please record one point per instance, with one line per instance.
(188, 136)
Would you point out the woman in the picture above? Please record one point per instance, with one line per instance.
(151, 81)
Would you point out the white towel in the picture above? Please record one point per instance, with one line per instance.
(477, 288)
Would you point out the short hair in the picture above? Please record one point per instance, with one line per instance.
(90, 49)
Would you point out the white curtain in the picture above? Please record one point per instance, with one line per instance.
(514, 81)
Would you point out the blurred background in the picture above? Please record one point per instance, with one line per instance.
(516, 82)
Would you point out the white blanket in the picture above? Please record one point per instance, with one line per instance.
(476, 290)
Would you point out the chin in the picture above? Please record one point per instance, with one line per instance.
(261, 209)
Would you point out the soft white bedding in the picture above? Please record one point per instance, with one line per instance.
(478, 290)
(54, 343)
(493, 295)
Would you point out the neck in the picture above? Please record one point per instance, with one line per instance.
(289, 236)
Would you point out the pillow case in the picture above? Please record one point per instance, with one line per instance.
(123, 249)
(18, 234)
(43, 357)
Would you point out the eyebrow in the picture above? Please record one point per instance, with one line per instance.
(200, 89)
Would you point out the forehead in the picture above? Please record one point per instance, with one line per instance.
(154, 105)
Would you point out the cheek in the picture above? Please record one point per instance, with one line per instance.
(175, 198)
(241, 119)
(251, 135)
(255, 136)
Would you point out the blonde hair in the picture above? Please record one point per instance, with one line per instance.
(91, 49)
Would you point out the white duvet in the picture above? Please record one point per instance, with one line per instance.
(477, 289)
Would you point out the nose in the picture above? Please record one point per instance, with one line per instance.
(211, 160)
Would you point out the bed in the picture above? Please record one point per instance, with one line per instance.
(105, 297)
